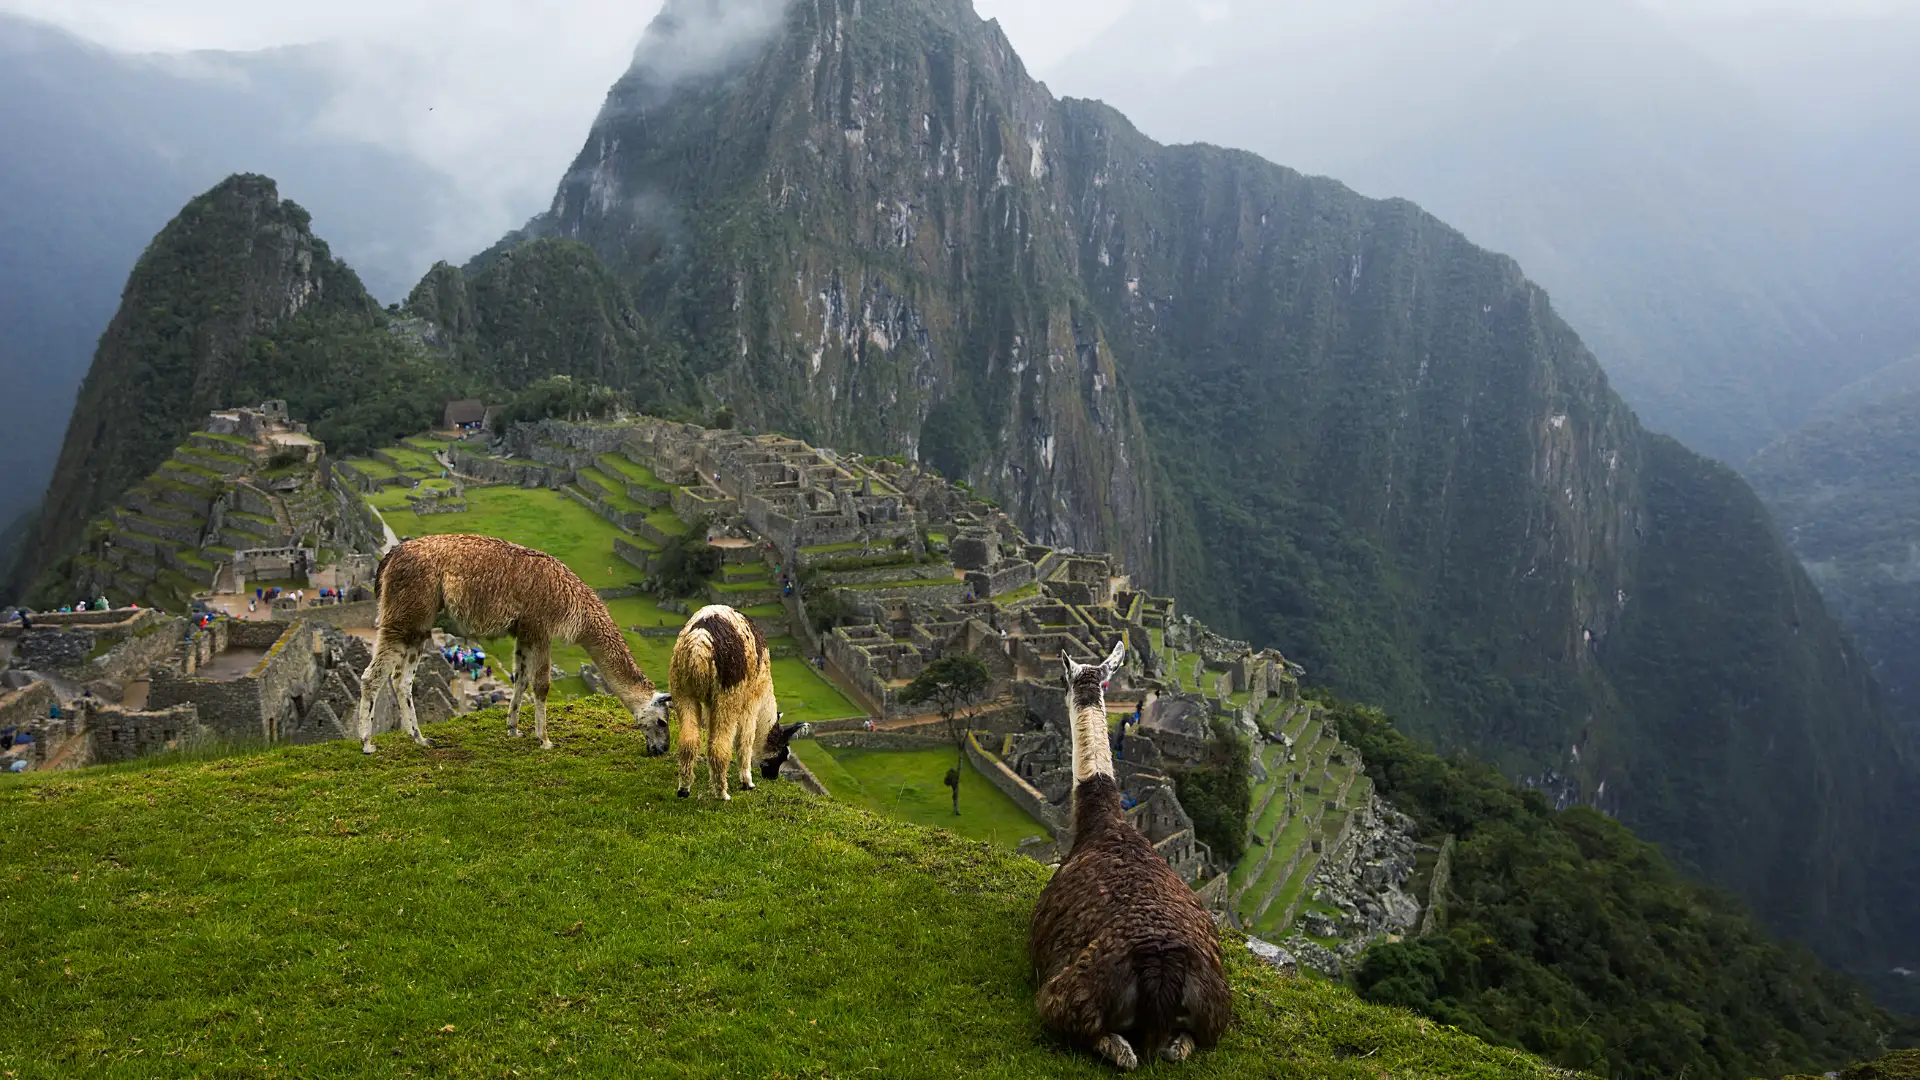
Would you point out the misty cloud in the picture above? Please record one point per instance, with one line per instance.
(694, 38)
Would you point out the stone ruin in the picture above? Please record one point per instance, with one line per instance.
(146, 682)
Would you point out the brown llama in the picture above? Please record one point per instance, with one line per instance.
(490, 588)
(722, 679)
(1125, 954)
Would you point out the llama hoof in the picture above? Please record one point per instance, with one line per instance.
(546, 744)
(1117, 1050)
(366, 748)
(425, 743)
(1179, 1049)
(513, 733)
(748, 786)
(724, 797)
(684, 793)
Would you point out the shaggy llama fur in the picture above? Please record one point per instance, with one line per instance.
(1125, 954)
(491, 588)
(722, 680)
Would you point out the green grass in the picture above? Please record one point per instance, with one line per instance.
(1024, 592)
(537, 518)
(610, 491)
(638, 475)
(832, 549)
(750, 586)
(764, 611)
(667, 522)
(485, 909)
(805, 695)
(906, 785)
(379, 470)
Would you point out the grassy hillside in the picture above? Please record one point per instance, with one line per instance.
(486, 910)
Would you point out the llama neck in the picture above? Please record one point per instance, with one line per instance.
(604, 642)
(1091, 754)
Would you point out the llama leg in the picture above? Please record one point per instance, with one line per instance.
(720, 752)
(1076, 1003)
(690, 725)
(1177, 1050)
(370, 683)
(520, 672)
(1116, 1049)
(409, 717)
(747, 751)
(542, 680)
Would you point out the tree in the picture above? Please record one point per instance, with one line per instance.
(952, 685)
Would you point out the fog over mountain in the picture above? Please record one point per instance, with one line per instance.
(1715, 193)
(1712, 193)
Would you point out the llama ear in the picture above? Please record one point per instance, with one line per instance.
(1112, 662)
(1072, 668)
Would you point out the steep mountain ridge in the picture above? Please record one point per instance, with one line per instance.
(1327, 423)
(1330, 423)
(103, 147)
(234, 301)
(1846, 491)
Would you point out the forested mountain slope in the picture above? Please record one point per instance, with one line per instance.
(103, 147)
(1846, 491)
(1328, 423)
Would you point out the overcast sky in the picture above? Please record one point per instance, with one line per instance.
(501, 92)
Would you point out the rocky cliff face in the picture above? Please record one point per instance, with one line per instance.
(852, 221)
(236, 262)
(1328, 423)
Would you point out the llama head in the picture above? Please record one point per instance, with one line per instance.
(652, 718)
(774, 753)
(1087, 683)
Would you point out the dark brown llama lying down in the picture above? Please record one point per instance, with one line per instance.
(1125, 954)
(722, 679)
(491, 588)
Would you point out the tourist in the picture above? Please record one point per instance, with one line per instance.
(19, 765)
(53, 710)
(104, 606)
(26, 619)
(1127, 801)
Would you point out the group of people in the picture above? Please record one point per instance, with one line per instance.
(469, 662)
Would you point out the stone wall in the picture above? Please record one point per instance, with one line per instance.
(937, 571)
(117, 734)
(26, 707)
(1024, 795)
(1001, 579)
(133, 658)
(357, 615)
(858, 739)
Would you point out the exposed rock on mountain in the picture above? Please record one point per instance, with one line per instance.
(1327, 422)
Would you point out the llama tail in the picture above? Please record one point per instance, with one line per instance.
(1164, 984)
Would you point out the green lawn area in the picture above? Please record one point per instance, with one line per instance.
(607, 488)
(906, 785)
(639, 475)
(1024, 592)
(485, 909)
(805, 695)
(369, 467)
(535, 517)
(832, 549)
(667, 522)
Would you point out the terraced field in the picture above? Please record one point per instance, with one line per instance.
(581, 538)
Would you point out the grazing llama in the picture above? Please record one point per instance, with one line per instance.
(489, 588)
(722, 680)
(1124, 953)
